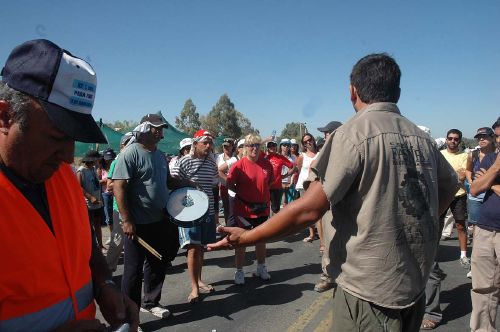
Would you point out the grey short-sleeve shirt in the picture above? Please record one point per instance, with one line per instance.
(381, 175)
(146, 173)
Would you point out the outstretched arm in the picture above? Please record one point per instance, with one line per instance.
(294, 217)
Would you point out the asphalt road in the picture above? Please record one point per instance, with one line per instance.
(288, 301)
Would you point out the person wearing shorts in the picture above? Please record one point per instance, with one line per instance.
(251, 178)
(200, 168)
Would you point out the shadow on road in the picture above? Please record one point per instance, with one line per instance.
(255, 292)
(456, 309)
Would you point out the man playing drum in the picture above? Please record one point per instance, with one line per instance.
(198, 167)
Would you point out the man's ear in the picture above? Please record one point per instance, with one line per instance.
(5, 120)
(353, 93)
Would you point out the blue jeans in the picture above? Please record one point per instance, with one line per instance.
(108, 208)
(473, 210)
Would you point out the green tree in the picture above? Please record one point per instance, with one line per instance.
(225, 120)
(188, 120)
(294, 130)
(245, 125)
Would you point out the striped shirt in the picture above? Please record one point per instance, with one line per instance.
(203, 172)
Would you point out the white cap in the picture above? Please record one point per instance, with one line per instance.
(241, 142)
(185, 142)
(284, 141)
(293, 141)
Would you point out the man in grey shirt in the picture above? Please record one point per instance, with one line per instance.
(140, 181)
(386, 184)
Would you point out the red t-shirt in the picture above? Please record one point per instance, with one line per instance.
(278, 161)
(252, 180)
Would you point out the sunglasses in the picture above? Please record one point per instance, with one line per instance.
(254, 145)
(455, 139)
(482, 137)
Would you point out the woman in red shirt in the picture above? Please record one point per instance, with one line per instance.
(251, 178)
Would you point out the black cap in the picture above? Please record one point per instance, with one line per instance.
(64, 85)
(484, 131)
(109, 154)
(330, 127)
(155, 120)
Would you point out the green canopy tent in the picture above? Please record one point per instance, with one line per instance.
(169, 144)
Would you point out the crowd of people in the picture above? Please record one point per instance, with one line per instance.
(375, 192)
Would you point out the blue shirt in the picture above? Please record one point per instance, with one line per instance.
(490, 209)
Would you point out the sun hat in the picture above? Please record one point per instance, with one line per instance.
(109, 154)
(285, 141)
(155, 120)
(64, 85)
(228, 141)
(484, 131)
(201, 135)
(330, 127)
(185, 142)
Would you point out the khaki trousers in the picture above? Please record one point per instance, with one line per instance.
(485, 269)
(352, 314)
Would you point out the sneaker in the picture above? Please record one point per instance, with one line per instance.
(158, 311)
(469, 274)
(262, 272)
(465, 262)
(139, 329)
(322, 286)
(108, 242)
(239, 277)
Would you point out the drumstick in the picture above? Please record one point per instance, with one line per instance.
(148, 247)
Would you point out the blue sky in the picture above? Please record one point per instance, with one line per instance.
(279, 61)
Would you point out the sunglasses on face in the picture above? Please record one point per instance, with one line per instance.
(455, 139)
(482, 137)
(254, 145)
(309, 140)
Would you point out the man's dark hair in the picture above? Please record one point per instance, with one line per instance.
(456, 132)
(376, 79)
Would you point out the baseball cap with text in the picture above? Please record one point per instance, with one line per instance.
(64, 85)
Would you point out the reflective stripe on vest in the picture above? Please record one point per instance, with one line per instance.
(51, 317)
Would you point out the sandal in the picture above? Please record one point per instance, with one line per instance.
(428, 324)
(193, 298)
(206, 289)
(308, 239)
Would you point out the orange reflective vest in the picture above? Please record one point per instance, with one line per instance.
(45, 280)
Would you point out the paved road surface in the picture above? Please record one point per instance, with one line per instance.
(285, 303)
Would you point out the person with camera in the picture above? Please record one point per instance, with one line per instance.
(250, 178)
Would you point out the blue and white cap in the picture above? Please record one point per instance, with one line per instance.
(63, 84)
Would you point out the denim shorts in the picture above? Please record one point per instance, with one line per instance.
(201, 234)
(473, 210)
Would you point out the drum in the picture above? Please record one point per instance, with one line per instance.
(187, 206)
